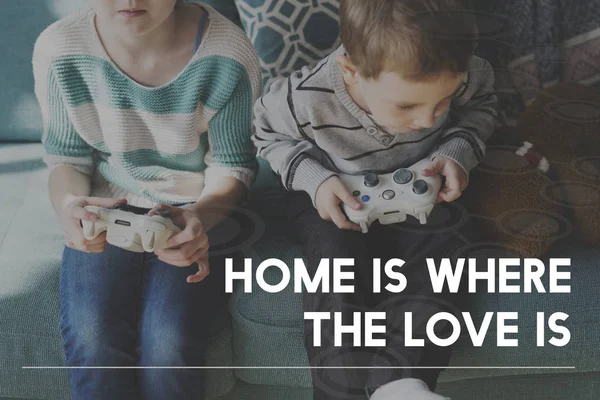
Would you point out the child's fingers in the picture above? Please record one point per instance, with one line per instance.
(347, 198)
(340, 220)
(100, 239)
(186, 252)
(191, 232)
(82, 214)
(97, 248)
(203, 272)
(450, 195)
(105, 202)
(176, 258)
(165, 210)
(434, 168)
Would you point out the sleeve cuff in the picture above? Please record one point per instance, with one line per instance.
(460, 151)
(308, 175)
(214, 173)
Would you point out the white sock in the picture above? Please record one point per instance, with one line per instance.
(406, 389)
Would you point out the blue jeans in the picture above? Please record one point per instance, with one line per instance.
(120, 308)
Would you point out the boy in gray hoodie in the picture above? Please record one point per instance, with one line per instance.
(403, 86)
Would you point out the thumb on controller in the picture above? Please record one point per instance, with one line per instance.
(82, 214)
(434, 168)
(348, 199)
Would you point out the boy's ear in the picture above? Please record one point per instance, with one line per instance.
(348, 69)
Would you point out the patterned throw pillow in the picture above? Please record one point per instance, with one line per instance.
(289, 34)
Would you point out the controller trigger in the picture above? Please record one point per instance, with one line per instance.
(151, 242)
(364, 227)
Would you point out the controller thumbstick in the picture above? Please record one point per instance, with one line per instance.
(420, 187)
(371, 180)
(403, 176)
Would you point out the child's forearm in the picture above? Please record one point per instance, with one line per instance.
(218, 200)
(64, 184)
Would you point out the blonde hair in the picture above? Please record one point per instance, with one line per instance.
(416, 38)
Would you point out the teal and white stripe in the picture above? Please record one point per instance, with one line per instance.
(150, 145)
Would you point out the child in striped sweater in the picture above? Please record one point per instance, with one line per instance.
(147, 103)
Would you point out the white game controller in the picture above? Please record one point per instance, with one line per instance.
(130, 231)
(390, 197)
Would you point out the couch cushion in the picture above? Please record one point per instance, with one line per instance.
(289, 34)
(31, 246)
(582, 352)
(244, 391)
(268, 328)
(551, 386)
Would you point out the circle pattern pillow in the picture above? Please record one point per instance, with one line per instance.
(290, 34)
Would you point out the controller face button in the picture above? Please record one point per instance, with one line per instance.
(366, 198)
(403, 176)
(389, 194)
(371, 180)
(356, 193)
(420, 187)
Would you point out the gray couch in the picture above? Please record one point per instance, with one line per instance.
(259, 329)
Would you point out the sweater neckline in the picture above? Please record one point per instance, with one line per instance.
(195, 56)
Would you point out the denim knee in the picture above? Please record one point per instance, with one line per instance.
(171, 345)
(90, 340)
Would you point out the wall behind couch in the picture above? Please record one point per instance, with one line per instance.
(21, 22)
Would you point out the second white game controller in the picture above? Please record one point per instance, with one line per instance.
(130, 231)
(389, 198)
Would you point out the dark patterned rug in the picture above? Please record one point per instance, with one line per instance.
(537, 43)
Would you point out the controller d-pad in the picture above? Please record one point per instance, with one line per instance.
(420, 187)
(403, 176)
(371, 180)
(388, 194)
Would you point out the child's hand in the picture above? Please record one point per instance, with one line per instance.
(456, 178)
(188, 246)
(71, 216)
(328, 198)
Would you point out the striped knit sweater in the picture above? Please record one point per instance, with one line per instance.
(149, 145)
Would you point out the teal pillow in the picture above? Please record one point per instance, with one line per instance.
(289, 34)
